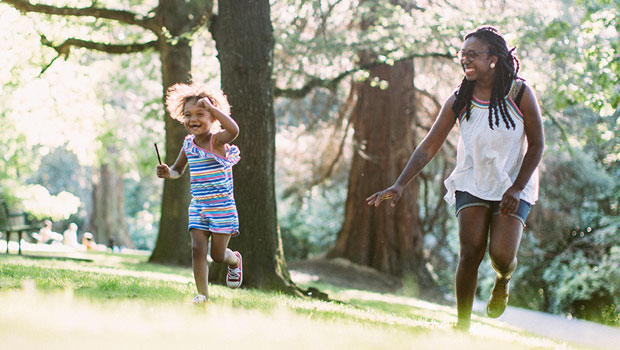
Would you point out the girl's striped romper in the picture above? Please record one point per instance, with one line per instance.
(213, 206)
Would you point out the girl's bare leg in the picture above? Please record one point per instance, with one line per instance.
(220, 252)
(200, 246)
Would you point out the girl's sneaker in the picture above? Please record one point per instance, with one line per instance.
(199, 299)
(235, 274)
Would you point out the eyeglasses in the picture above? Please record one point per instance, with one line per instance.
(471, 54)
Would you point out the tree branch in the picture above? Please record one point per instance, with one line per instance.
(64, 48)
(431, 97)
(128, 17)
(332, 83)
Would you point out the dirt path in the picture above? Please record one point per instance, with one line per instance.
(346, 274)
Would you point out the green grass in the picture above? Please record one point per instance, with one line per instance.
(122, 302)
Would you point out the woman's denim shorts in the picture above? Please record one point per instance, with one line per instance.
(464, 200)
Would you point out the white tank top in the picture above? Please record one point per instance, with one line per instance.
(488, 160)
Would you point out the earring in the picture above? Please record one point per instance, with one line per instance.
(492, 65)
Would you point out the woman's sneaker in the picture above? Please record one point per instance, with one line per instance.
(235, 274)
(499, 297)
(199, 299)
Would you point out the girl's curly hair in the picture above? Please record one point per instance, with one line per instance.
(178, 94)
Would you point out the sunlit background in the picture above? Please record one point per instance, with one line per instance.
(91, 116)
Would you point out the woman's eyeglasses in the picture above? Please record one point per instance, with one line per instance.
(471, 54)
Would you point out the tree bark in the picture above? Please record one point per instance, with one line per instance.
(173, 244)
(385, 238)
(244, 41)
(107, 219)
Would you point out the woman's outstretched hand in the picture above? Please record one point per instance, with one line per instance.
(393, 192)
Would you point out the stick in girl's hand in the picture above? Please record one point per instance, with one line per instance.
(158, 157)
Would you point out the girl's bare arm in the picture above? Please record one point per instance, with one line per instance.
(230, 128)
(176, 170)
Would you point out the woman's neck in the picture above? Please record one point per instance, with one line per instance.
(483, 90)
(484, 87)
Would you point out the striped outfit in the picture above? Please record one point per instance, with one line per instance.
(488, 160)
(213, 206)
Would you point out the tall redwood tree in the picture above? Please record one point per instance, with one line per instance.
(384, 121)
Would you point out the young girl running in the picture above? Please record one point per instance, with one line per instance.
(212, 211)
(495, 181)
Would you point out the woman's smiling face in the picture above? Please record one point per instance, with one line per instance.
(475, 59)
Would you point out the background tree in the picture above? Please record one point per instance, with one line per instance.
(384, 123)
(244, 41)
(384, 134)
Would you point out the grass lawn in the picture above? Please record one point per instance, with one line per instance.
(121, 302)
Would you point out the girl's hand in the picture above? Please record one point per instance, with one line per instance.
(393, 192)
(510, 201)
(163, 171)
(205, 103)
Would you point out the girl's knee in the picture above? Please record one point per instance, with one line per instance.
(199, 250)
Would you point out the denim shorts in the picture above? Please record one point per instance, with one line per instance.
(464, 200)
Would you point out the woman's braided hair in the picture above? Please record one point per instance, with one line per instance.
(505, 74)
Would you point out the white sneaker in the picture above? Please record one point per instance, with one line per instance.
(234, 277)
(199, 299)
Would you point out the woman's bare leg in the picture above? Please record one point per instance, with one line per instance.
(473, 233)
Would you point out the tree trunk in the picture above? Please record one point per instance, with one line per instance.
(244, 41)
(107, 219)
(385, 238)
(173, 244)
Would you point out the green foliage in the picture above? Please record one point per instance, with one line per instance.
(587, 285)
(570, 262)
(15, 161)
(584, 49)
(310, 228)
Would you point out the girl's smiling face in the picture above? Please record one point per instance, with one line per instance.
(197, 120)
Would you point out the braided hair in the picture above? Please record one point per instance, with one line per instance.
(505, 74)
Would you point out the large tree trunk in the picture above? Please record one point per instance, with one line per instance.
(173, 244)
(244, 41)
(385, 238)
(107, 219)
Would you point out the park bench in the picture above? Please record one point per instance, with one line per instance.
(15, 222)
